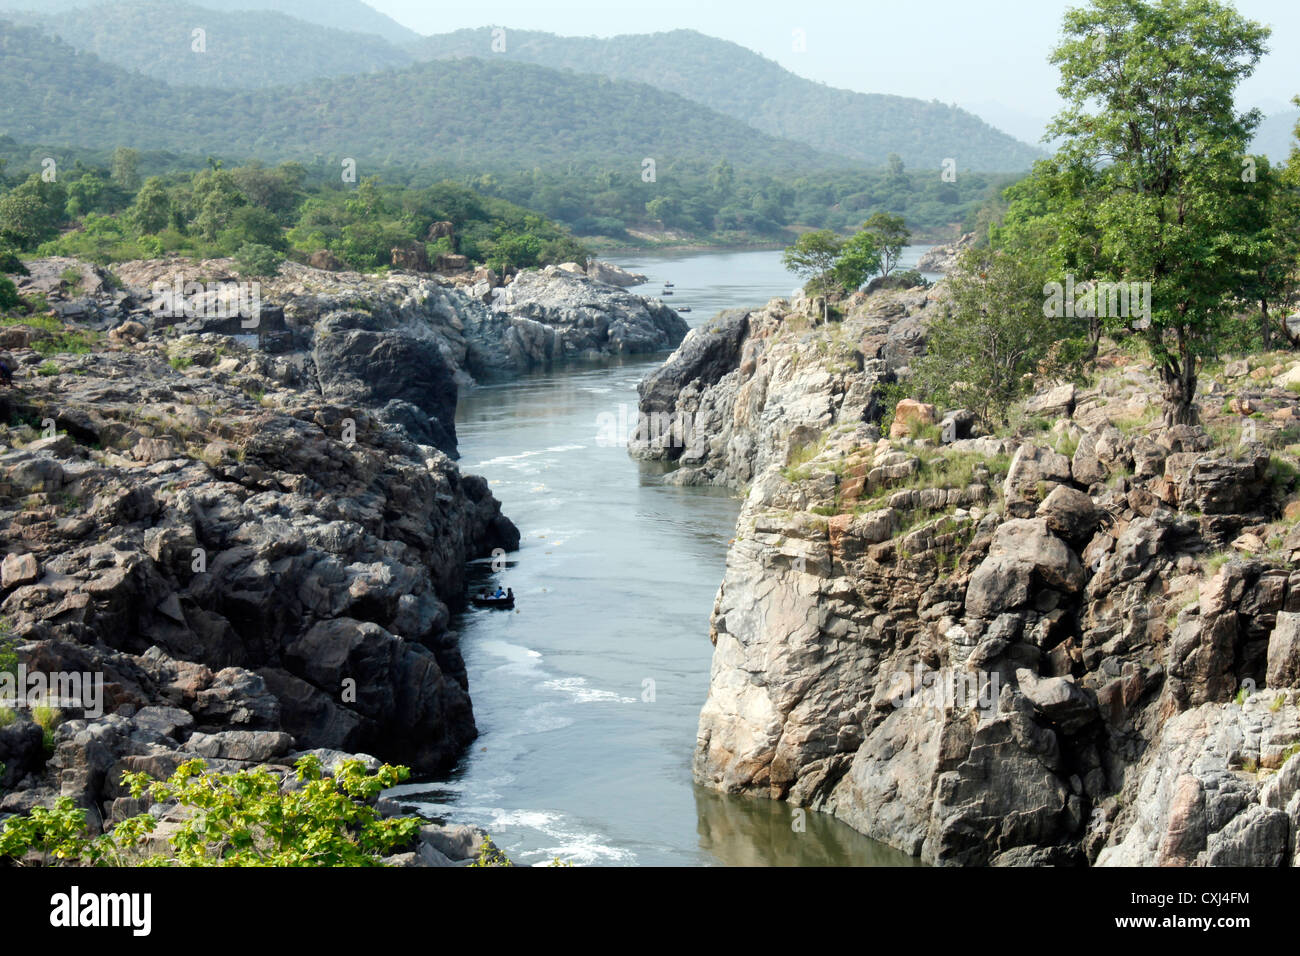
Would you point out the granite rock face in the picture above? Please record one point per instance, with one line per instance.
(741, 393)
(481, 324)
(553, 314)
(998, 650)
(250, 551)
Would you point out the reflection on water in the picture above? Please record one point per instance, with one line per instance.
(587, 695)
(743, 831)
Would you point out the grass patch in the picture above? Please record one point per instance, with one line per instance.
(1131, 424)
(793, 470)
(1212, 563)
(47, 323)
(1282, 475)
(76, 342)
(48, 719)
(1067, 444)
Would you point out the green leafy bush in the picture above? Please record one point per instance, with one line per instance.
(259, 260)
(247, 818)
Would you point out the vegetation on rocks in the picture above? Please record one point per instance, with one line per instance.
(259, 214)
(246, 818)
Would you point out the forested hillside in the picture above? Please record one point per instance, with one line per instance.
(489, 114)
(251, 50)
(738, 82)
(340, 14)
(1276, 136)
(248, 49)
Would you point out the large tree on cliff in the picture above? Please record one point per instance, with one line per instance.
(1149, 91)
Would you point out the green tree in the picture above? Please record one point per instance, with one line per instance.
(1049, 225)
(252, 224)
(126, 168)
(994, 343)
(256, 259)
(1149, 91)
(216, 197)
(88, 193)
(891, 235)
(666, 209)
(859, 259)
(9, 298)
(152, 209)
(520, 250)
(31, 212)
(1270, 225)
(813, 257)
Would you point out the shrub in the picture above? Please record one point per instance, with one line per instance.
(994, 343)
(245, 818)
(9, 298)
(257, 259)
(10, 263)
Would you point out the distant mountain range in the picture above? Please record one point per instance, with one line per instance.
(738, 82)
(470, 113)
(350, 15)
(286, 42)
(249, 49)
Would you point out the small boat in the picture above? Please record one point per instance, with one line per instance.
(483, 600)
(684, 308)
(668, 291)
(668, 285)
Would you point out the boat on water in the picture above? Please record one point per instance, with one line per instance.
(668, 285)
(684, 308)
(668, 292)
(491, 600)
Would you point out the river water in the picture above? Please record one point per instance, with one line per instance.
(587, 695)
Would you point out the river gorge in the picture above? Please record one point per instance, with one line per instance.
(587, 698)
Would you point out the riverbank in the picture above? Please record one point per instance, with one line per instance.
(233, 509)
(1071, 642)
(605, 663)
(604, 246)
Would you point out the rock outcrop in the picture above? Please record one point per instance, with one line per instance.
(611, 274)
(1050, 648)
(402, 343)
(944, 258)
(555, 315)
(244, 552)
(749, 389)
(481, 326)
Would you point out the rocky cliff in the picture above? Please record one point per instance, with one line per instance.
(1072, 643)
(249, 534)
(747, 386)
(477, 325)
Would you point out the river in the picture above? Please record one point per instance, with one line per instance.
(587, 696)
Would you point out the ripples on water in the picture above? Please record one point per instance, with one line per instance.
(587, 696)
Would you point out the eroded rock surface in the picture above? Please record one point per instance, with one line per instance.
(1048, 648)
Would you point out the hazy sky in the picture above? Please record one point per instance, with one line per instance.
(988, 55)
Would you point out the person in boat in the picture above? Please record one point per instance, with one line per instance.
(500, 593)
(510, 593)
